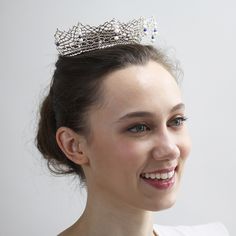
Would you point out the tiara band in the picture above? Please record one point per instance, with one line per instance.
(84, 38)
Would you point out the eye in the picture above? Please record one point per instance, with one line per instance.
(139, 128)
(177, 121)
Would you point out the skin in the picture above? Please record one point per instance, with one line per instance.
(125, 143)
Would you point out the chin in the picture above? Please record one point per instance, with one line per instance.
(161, 200)
(163, 205)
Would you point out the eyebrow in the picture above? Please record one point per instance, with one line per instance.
(141, 114)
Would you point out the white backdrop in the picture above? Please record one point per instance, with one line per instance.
(203, 35)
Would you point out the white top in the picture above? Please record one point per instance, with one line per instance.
(212, 229)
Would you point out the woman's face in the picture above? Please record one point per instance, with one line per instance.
(139, 142)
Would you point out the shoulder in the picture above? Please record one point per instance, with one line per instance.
(216, 229)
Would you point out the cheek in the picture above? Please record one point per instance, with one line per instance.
(117, 154)
(131, 155)
(130, 152)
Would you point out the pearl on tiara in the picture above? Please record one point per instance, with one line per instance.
(83, 38)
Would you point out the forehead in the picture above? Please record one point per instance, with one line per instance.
(140, 86)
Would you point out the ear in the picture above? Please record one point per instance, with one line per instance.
(72, 145)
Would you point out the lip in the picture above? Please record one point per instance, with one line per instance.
(161, 184)
(161, 170)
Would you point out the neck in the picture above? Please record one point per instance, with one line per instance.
(103, 217)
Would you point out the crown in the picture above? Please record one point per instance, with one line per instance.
(83, 38)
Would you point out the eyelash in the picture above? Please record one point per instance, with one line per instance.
(146, 128)
(180, 119)
(138, 126)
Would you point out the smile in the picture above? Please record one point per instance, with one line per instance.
(161, 179)
(163, 176)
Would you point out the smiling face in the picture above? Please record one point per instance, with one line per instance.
(139, 142)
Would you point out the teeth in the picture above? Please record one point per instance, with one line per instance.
(171, 174)
(146, 175)
(158, 175)
(162, 176)
(153, 176)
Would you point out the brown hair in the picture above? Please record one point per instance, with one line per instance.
(76, 86)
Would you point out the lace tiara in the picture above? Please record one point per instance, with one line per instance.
(84, 38)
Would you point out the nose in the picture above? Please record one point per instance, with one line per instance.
(165, 148)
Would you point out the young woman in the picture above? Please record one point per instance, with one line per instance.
(115, 117)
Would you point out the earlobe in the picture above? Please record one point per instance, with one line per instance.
(71, 145)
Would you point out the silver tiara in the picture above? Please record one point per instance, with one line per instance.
(83, 38)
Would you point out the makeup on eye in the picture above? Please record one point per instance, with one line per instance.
(177, 121)
(143, 127)
(138, 128)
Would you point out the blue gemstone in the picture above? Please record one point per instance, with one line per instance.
(145, 29)
(155, 30)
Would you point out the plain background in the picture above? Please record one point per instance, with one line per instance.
(201, 34)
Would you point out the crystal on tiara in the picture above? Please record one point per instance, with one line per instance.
(83, 38)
